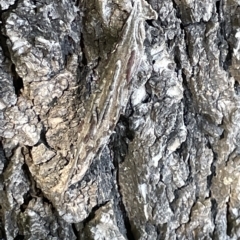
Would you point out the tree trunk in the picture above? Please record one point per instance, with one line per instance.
(119, 119)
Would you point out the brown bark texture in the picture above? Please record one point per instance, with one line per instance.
(119, 119)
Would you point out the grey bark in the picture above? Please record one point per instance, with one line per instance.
(154, 101)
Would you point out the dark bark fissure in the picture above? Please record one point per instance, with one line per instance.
(3, 40)
(84, 59)
(19, 237)
(76, 232)
(83, 233)
(219, 8)
(150, 23)
(229, 220)
(3, 157)
(177, 9)
(214, 211)
(92, 215)
(17, 80)
(237, 87)
(128, 227)
(222, 36)
(34, 191)
(28, 196)
(213, 166)
(187, 101)
(120, 139)
(43, 138)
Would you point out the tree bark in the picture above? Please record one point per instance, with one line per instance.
(119, 119)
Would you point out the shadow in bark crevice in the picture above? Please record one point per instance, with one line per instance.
(230, 222)
(213, 166)
(214, 211)
(119, 146)
(17, 80)
(92, 215)
(19, 237)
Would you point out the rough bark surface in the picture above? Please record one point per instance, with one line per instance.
(119, 119)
